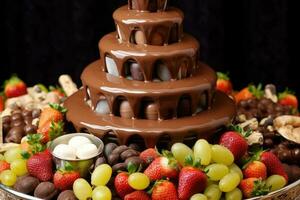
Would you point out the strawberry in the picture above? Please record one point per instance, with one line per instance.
(64, 178)
(32, 145)
(235, 141)
(137, 195)
(149, 155)
(51, 130)
(121, 180)
(163, 167)
(223, 83)
(249, 92)
(252, 187)
(53, 113)
(191, 180)
(164, 190)
(14, 87)
(40, 165)
(4, 165)
(288, 98)
(1, 103)
(57, 90)
(273, 164)
(255, 169)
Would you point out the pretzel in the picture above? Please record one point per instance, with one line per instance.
(67, 84)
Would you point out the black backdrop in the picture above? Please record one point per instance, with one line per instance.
(41, 39)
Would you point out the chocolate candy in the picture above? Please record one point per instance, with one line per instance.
(36, 113)
(45, 190)
(111, 66)
(26, 184)
(6, 119)
(30, 129)
(16, 117)
(67, 195)
(15, 134)
(151, 111)
(102, 107)
(125, 110)
(16, 123)
(139, 37)
(27, 113)
(136, 72)
(28, 120)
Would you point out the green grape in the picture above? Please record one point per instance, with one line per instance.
(138, 181)
(235, 194)
(2, 157)
(101, 175)
(276, 182)
(198, 197)
(8, 178)
(101, 193)
(82, 189)
(210, 182)
(19, 167)
(235, 168)
(216, 171)
(222, 155)
(13, 154)
(181, 151)
(202, 151)
(229, 182)
(213, 192)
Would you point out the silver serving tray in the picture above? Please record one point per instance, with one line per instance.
(282, 194)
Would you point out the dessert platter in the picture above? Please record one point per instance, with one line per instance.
(150, 122)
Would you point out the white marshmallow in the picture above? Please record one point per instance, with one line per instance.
(102, 107)
(86, 151)
(111, 66)
(78, 141)
(65, 151)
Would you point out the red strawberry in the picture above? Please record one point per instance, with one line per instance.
(40, 165)
(4, 165)
(1, 103)
(235, 142)
(273, 164)
(249, 92)
(14, 87)
(255, 169)
(149, 155)
(121, 184)
(57, 90)
(287, 98)
(63, 179)
(252, 187)
(53, 113)
(191, 181)
(137, 195)
(164, 190)
(162, 167)
(51, 130)
(223, 83)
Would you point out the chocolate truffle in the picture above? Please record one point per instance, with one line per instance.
(26, 184)
(67, 195)
(45, 190)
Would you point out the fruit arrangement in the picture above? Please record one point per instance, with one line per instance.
(254, 157)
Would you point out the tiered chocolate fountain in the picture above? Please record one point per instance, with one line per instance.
(149, 84)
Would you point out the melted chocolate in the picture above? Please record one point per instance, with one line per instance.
(148, 5)
(202, 125)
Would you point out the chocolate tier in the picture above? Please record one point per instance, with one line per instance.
(148, 84)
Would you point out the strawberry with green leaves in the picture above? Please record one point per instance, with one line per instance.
(14, 87)
(252, 187)
(54, 113)
(32, 145)
(288, 98)
(223, 83)
(57, 90)
(51, 130)
(165, 166)
(255, 169)
(249, 92)
(64, 178)
(235, 141)
(164, 190)
(121, 180)
(191, 179)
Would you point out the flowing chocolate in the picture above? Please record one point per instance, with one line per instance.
(148, 5)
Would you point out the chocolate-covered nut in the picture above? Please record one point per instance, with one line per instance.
(125, 110)
(17, 123)
(119, 167)
(6, 119)
(268, 143)
(285, 155)
(136, 72)
(151, 111)
(45, 190)
(157, 39)
(15, 135)
(16, 117)
(16, 111)
(26, 184)
(100, 161)
(6, 127)
(136, 160)
(296, 154)
(113, 159)
(27, 113)
(139, 37)
(129, 153)
(108, 148)
(120, 149)
(67, 195)
(28, 120)
(135, 146)
(184, 108)
(30, 129)
(36, 113)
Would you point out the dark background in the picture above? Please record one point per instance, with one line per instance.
(41, 39)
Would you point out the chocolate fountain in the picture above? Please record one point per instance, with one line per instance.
(148, 85)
